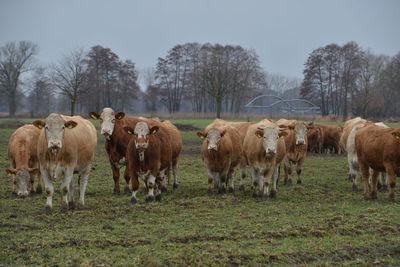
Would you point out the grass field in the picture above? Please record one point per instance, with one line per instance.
(321, 222)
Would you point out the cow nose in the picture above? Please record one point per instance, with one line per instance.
(141, 145)
(23, 193)
(107, 131)
(270, 151)
(300, 142)
(55, 144)
(212, 147)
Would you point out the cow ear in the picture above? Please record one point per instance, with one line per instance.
(128, 129)
(70, 124)
(201, 135)
(259, 133)
(283, 134)
(119, 115)
(94, 115)
(223, 132)
(11, 171)
(154, 130)
(39, 124)
(396, 135)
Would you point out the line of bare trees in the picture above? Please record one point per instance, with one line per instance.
(346, 80)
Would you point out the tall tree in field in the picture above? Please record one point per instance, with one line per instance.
(15, 59)
(127, 87)
(41, 93)
(69, 77)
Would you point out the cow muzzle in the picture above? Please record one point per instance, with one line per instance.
(212, 148)
(300, 142)
(141, 146)
(270, 152)
(24, 193)
(54, 145)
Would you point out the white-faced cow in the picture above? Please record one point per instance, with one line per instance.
(264, 149)
(24, 164)
(66, 145)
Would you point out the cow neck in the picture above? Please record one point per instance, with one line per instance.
(22, 156)
(140, 155)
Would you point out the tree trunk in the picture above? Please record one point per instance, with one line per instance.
(11, 104)
(218, 106)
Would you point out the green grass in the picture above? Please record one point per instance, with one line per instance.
(321, 222)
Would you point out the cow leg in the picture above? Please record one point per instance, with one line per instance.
(267, 181)
(174, 173)
(157, 189)
(275, 177)
(162, 179)
(242, 174)
(71, 203)
(115, 174)
(383, 177)
(127, 181)
(255, 181)
(231, 180)
(288, 171)
(299, 169)
(374, 183)
(353, 170)
(48, 184)
(151, 180)
(365, 178)
(135, 188)
(84, 176)
(68, 174)
(223, 177)
(391, 181)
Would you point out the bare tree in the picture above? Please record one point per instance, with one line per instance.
(15, 59)
(40, 93)
(69, 76)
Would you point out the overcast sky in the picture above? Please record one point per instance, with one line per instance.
(282, 33)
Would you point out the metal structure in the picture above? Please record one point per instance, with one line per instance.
(278, 105)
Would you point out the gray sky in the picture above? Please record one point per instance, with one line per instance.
(283, 33)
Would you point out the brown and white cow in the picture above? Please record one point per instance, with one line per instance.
(296, 148)
(24, 164)
(66, 145)
(148, 154)
(221, 152)
(117, 139)
(378, 148)
(347, 127)
(264, 149)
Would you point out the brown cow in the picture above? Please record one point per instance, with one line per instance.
(347, 127)
(264, 150)
(296, 148)
(330, 138)
(221, 152)
(314, 137)
(66, 145)
(378, 148)
(24, 164)
(148, 154)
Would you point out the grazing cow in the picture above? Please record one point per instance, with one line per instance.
(221, 152)
(176, 146)
(378, 148)
(314, 137)
(112, 127)
(66, 145)
(296, 149)
(24, 164)
(264, 150)
(148, 154)
(352, 153)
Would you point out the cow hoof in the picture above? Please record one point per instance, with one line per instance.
(366, 197)
(14, 194)
(133, 200)
(298, 181)
(222, 190)
(384, 188)
(289, 182)
(273, 194)
(374, 195)
(127, 190)
(64, 207)
(48, 210)
(116, 191)
(354, 187)
(255, 195)
(392, 199)
(231, 190)
(241, 188)
(264, 196)
(379, 185)
(175, 186)
(164, 189)
(71, 205)
(39, 189)
(158, 198)
(149, 199)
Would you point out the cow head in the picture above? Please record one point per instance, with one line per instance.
(396, 134)
(300, 132)
(22, 178)
(141, 134)
(54, 127)
(270, 135)
(213, 136)
(107, 120)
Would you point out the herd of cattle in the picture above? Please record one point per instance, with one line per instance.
(60, 146)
